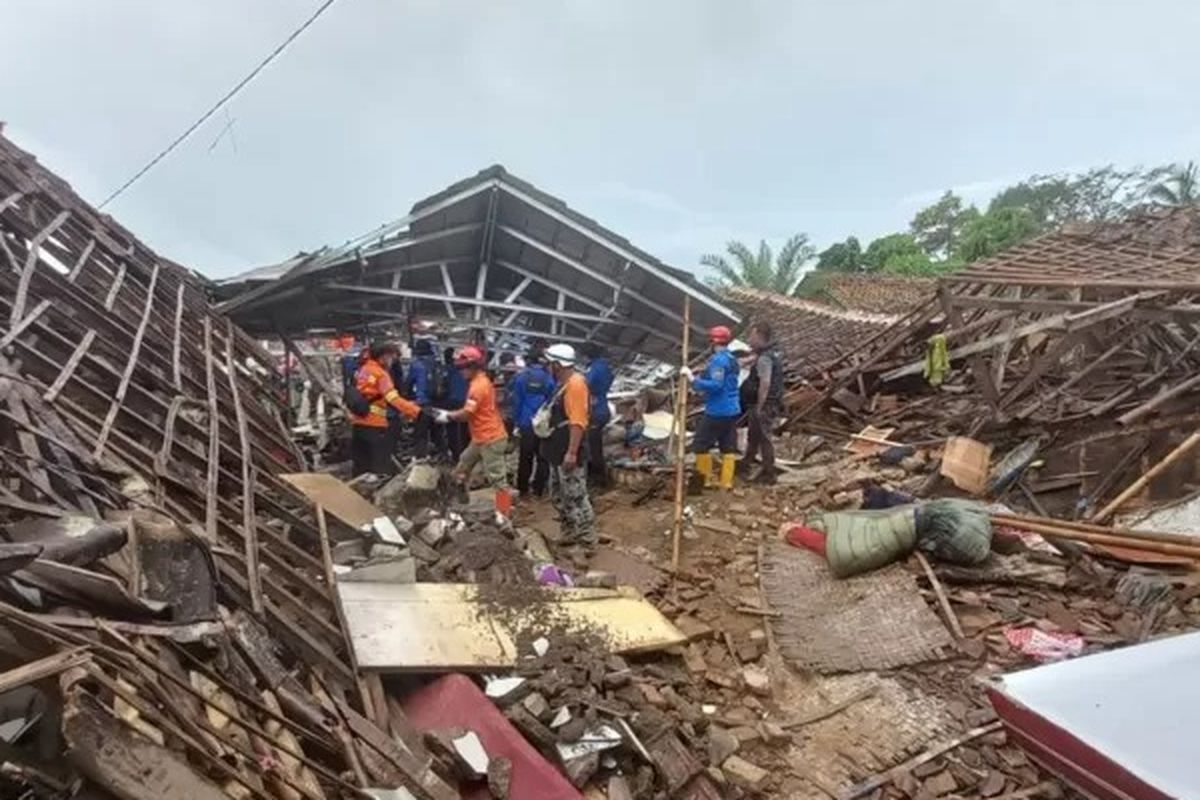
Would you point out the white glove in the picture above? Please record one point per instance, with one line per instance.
(441, 417)
(686, 372)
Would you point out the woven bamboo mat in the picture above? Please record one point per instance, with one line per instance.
(872, 621)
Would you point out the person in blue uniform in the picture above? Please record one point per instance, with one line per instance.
(599, 381)
(531, 389)
(722, 408)
(421, 388)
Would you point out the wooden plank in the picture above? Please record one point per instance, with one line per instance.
(31, 259)
(177, 346)
(69, 368)
(130, 365)
(965, 462)
(418, 775)
(82, 260)
(214, 436)
(249, 523)
(431, 627)
(1064, 321)
(43, 668)
(336, 497)
(115, 288)
(25, 322)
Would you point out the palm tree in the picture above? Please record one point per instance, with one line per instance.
(762, 270)
(1180, 188)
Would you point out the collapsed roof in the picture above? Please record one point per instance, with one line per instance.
(492, 251)
(877, 294)
(1096, 322)
(808, 334)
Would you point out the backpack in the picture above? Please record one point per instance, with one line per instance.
(541, 418)
(439, 381)
(354, 400)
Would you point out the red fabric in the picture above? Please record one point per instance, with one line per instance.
(799, 536)
(454, 701)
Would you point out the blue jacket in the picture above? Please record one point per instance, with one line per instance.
(397, 375)
(420, 380)
(532, 387)
(458, 389)
(599, 381)
(719, 384)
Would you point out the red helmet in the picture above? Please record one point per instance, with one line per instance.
(469, 356)
(719, 334)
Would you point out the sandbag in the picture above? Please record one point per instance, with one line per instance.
(860, 541)
(954, 531)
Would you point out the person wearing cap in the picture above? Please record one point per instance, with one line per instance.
(489, 440)
(371, 443)
(566, 449)
(722, 408)
(531, 389)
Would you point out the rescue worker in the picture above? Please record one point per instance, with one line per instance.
(531, 389)
(489, 441)
(566, 449)
(422, 375)
(371, 443)
(763, 391)
(718, 427)
(454, 397)
(599, 381)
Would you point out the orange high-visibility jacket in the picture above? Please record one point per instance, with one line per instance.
(375, 384)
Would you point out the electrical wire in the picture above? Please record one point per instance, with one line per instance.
(217, 107)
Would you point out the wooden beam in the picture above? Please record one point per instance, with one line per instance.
(249, 522)
(42, 668)
(130, 365)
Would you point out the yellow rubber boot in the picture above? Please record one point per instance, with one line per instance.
(728, 467)
(704, 466)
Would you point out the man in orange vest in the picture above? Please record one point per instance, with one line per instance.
(489, 438)
(371, 443)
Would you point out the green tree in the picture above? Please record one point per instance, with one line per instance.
(1099, 194)
(762, 270)
(937, 228)
(844, 256)
(893, 249)
(1181, 187)
(996, 230)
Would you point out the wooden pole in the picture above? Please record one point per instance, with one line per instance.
(1114, 539)
(1179, 452)
(680, 439)
(1016, 520)
(943, 601)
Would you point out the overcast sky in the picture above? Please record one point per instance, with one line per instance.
(678, 123)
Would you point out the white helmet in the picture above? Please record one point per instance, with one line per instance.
(561, 353)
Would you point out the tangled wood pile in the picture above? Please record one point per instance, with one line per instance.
(1094, 324)
(159, 576)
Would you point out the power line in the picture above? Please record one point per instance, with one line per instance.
(228, 96)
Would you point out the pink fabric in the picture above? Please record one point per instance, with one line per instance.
(1045, 645)
(454, 701)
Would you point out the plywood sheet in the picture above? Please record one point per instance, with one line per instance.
(336, 497)
(965, 462)
(437, 626)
